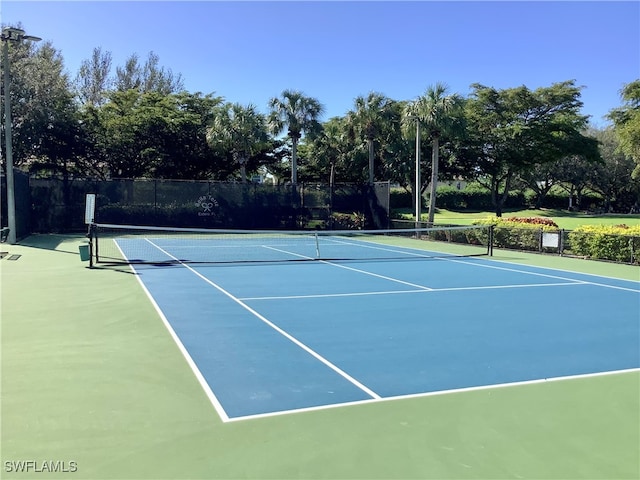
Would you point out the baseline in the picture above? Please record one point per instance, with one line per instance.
(436, 393)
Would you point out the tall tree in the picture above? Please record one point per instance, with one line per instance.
(330, 150)
(241, 131)
(367, 119)
(612, 177)
(153, 135)
(189, 149)
(626, 121)
(438, 114)
(150, 77)
(93, 78)
(511, 130)
(298, 114)
(45, 134)
(573, 174)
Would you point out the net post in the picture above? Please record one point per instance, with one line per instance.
(90, 236)
(490, 245)
(317, 246)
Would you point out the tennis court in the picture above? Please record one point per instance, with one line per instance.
(91, 374)
(267, 331)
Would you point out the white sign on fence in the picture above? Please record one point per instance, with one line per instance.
(551, 240)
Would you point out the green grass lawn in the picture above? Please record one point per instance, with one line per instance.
(565, 219)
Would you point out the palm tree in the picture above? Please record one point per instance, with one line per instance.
(368, 119)
(438, 114)
(299, 114)
(240, 130)
(331, 147)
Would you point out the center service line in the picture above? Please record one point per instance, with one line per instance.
(421, 287)
(307, 349)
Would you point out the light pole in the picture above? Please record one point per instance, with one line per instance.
(418, 183)
(435, 135)
(17, 35)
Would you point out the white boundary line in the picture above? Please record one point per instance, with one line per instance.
(375, 397)
(491, 259)
(436, 393)
(605, 285)
(192, 364)
(466, 262)
(409, 251)
(290, 337)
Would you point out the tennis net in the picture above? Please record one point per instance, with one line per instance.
(158, 245)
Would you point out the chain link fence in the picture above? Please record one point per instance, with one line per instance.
(22, 194)
(54, 205)
(58, 206)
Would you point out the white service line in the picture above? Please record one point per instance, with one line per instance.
(410, 251)
(384, 277)
(478, 264)
(395, 292)
(307, 349)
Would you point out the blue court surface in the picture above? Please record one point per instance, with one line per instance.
(280, 337)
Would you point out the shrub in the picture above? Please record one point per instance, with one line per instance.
(618, 243)
(537, 223)
(451, 198)
(474, 198)
(344, 221)
(588, 201)
(519, 233)
(403, 199)
(533, 221)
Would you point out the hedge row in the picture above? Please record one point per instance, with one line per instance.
(472, 198)
(519, 233)
(601, 242)
(606, 242)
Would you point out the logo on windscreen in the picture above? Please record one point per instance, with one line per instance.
(206, 204)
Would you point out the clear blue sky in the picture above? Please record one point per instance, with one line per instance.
(248, 52)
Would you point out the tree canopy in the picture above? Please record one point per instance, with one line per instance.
(626, 121)
(136, 120)
(511, 131)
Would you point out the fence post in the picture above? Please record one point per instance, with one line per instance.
(491, 229)
(540, 240)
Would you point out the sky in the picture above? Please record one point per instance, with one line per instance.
(250, 51)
